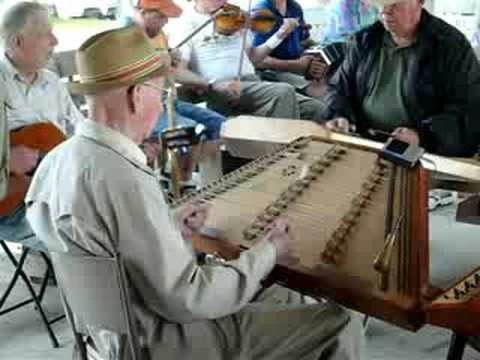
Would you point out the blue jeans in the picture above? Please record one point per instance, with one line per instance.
(15, 228)
(188, 114)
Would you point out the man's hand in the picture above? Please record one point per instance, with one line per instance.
(288, 25)
(316, 69)
(280, 237)
(339, 124)
(301, 65)
(22, 159)
(151, 148)
(191, 218)
(406, 135)
(229, 89)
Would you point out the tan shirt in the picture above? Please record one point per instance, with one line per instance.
(94, 193)
(46, 99)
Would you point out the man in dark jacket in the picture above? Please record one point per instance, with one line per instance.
(411, 74)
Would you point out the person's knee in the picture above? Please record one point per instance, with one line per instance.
(283, 90)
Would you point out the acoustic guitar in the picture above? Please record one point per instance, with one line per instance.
(42, 137)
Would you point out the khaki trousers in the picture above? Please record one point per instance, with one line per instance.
(279, 325)
(269, 99)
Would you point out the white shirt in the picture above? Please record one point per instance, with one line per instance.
(94, 195)
(46, 99)
(213, 56)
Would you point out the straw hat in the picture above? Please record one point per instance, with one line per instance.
(167, 7)
(383, 2)
(116, 58)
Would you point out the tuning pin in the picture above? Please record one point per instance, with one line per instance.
(337, 258)
(366, 196)
(331, 246)
(360, 202)
(281, 203)
(332, 156)
(325, 162)
(250, 234)
(259, 224)
(310, 177)
(317, 168)
(294, 189)
(356, 211)
(349, 219)
(265, 218)
(287, 196)
(304, 183)
(326, 257)
(272, 210)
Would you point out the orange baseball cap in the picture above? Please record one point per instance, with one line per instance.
(166, 7)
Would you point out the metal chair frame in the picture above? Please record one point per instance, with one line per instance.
(35, 297)
(65, 262)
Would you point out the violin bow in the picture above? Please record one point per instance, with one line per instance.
(244, 44)
(200, 28)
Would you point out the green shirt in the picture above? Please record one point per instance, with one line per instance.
(384, 107)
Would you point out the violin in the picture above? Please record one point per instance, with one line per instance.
(231, 19)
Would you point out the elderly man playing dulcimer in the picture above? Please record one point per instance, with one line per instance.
(94, 195)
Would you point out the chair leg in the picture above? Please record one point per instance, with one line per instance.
(457, 347)
(79, 341)
(19, 272)
(18, 268)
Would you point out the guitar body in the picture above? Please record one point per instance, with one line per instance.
(42, 137)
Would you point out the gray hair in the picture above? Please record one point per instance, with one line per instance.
(15, 18)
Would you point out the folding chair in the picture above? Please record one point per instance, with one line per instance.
(34, 297)
(96, 297)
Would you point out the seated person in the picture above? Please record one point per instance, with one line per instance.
(286, 61)
(94, 195)
(33, 94)
(228, 67)
(152, 16)
(413, 75)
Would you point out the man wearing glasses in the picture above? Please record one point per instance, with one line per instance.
(96, 196)
(411, 74)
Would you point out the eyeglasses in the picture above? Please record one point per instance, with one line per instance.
(163, 93)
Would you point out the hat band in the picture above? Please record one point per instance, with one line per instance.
(123, 75)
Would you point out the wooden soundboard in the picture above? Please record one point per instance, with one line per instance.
(457, 308)
(342, 203)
